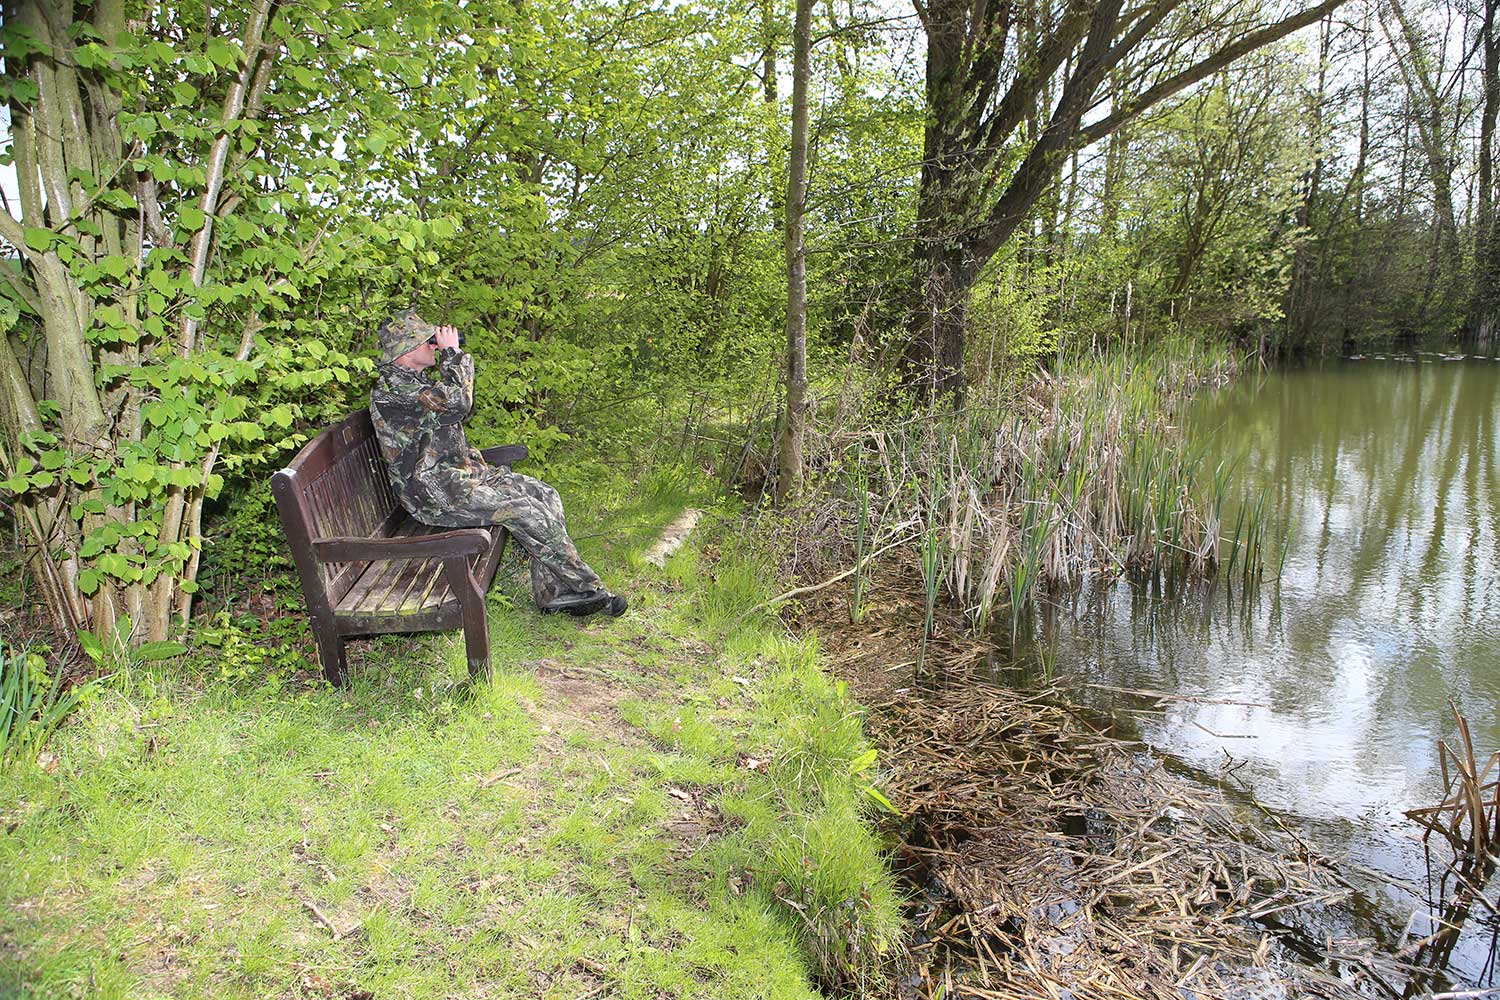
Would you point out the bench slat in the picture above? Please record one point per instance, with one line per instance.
(417, 585)
(369, 591)
(428, 589)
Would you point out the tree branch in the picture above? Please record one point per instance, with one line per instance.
(1202, 70)
(1028, 83)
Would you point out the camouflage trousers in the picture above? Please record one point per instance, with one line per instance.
(533, 514)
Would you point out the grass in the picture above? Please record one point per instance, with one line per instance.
(673, 803)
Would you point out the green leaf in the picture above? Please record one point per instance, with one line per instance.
(375, 144)
(160, 650)
(122, 201)
(87, 641)
(191, 218)
(114, 564)
(40, 239)
(223, 54)
(184, 92)
(883, 802)
(22, 91)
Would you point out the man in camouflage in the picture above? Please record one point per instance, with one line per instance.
(418, 415)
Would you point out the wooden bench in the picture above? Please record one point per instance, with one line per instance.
(368, 567)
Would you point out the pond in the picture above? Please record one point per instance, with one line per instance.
(1323, 693)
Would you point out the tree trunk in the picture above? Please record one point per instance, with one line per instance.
(1424, 87)
(1300, 315)
(793, 427)
(1484, 308)
(973, 194)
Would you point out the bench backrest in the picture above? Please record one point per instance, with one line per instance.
(336, 486)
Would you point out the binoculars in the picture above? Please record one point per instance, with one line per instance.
(433, 339)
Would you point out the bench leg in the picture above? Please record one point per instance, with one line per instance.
(471, 599)
(331, 652)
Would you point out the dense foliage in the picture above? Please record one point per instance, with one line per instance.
(214, 206)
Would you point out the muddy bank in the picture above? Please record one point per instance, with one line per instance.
(1047, 857)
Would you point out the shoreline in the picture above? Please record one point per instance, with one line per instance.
(998, 784)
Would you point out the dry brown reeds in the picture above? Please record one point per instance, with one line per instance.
(1466, 828)
(1032, 486)
(1035, 483)
(1051, 857)
(1054, 860)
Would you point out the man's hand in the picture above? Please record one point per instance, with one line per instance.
(447, 337)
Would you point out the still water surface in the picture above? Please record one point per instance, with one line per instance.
(1382, 476)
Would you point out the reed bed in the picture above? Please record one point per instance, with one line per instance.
(1035, 484)
(1461, 837)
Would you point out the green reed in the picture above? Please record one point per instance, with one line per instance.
(32, 706)
(1037, 483)
(932, 563)
(861, 487)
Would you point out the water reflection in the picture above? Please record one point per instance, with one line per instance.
(1382, 476)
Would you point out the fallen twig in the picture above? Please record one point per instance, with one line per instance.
(799, 591)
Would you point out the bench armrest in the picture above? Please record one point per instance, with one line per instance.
(443, 545)
(504, 454)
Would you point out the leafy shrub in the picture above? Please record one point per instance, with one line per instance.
(244, 548)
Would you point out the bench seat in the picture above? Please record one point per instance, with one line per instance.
(365, 565)
(409, 595)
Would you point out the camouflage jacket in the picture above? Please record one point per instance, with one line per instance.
(419, 422)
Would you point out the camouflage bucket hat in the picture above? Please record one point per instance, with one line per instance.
(403, 332)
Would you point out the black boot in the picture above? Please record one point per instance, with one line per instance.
(588, 602)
